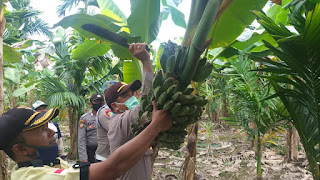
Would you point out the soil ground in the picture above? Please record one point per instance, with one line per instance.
(230, 157)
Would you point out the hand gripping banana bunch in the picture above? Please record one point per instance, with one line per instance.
(185, 107)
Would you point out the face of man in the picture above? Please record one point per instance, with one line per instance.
(42, 109)
(96, 104)
(119, 106)
(41, 136)
(97, 101)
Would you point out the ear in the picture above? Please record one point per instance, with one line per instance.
(19, 150)
(114, 106)
(90, 103)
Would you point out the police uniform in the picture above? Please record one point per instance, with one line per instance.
(120, 132)
(104, 115)
(62, 171)
(87, 137)
(22, 118)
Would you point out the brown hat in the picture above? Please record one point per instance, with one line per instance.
(22, 118)
(118, 89)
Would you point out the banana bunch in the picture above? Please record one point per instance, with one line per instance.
(185, 107)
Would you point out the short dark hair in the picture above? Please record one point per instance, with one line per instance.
(18, 140)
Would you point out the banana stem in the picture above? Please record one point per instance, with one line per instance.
(196, 11)
(196, 48)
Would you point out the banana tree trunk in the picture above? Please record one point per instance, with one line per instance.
(295, 144)
(292, 144)
(190, 161)
(3, 157)
(73, 127)
(202, 17)
(289, 145)
(155, 149)
(31, 97)
(259, 156)
(13, 100)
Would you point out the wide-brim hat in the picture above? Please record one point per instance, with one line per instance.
(22, 118)
(120, 88)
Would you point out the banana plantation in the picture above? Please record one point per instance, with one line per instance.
(242, 85)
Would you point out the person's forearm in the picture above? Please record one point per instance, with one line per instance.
(125, 156)
(147, 66)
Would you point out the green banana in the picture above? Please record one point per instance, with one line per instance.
(188, 91)
(201, 74)
(176, 96)
(183, 111)
(163, 60)
(175, 108)
(170, 63)
(191, 99)
(141, 112)
(149, 96)
(157, 92)
(171, 90)
(180, 119)
(176, 129)
(192, 109)
(149, 108)
(168, 105)
(203, 102)
(157, 79)
(198, 100)
(143, 104)
(162, 99)
(201, 63)
(185, 99)
(144, 97)
(168, 82)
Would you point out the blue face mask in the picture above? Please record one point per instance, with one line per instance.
(132, 102)
(46, 153)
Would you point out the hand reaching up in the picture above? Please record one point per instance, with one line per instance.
(139, 51)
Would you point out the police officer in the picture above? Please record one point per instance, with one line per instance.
(87, 131)
(25, 137)
(103, 117)
(121, 99)
(40, 106)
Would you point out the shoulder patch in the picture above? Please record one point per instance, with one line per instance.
(109, 113)
(61, 171)
(82, 121)
(81, 125)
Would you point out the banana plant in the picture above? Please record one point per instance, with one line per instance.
(76, 74)
(141, 26)
(23, 21)
(69, 4)
(299, 69)
(249, 107)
